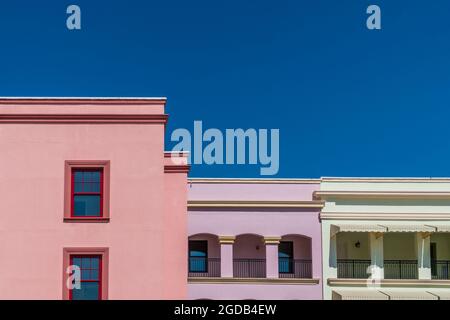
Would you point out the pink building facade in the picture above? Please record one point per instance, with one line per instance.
(254, 239)
(86, 183)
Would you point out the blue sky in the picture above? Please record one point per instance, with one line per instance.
(348, 101)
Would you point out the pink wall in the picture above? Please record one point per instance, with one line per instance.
(249, 246)
(146, 205)
(300, 225)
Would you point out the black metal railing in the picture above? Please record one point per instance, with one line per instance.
(440, 269)
(249, 268)
(400, 269)
(294, 268)
(353, 268)
(204, 267)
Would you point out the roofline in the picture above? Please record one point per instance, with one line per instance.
(381, 195)
(254, 180)
(81, 100)
(385, 179)
(317, 180)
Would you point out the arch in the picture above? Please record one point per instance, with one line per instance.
(249, 246)
(201, 234)
(302, 245)
(250, 234)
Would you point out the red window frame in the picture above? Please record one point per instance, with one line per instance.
(100, 268)
(86, 251)
(73, 193)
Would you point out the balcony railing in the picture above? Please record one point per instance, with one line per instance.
(249, 268)
(353, 269)
(294, 268)
(440, 269)
(204, 267)
(400, 269)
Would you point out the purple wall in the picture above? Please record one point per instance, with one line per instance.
(250, 226)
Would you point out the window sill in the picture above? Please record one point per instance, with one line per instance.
(87, 219)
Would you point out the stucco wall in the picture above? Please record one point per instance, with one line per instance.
(32, 230)
(346, 248)
(400, 246)
(258, 222)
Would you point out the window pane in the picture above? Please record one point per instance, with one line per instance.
(285, 265)
(78, 187)
(86, 205)
(198, 248)
(197, 254)
(94, 263)
(86, 263)
(285, 250)
(90, 187)
(197, 264)
(76, 261)
(87, 180)
(285, 256)
(94, 176)
(78, 176)
(85, 274)
(94, 275)
(88, 291)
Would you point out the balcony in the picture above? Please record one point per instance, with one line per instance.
(250, 256)
(393, 269)
(249, 268)
(204, 267)
(353, 269)
(400, 269)
(295, 268)
(440, 269)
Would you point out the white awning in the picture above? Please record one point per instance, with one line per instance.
(357, 228)
(410, 228)
(409, 295)
(445, 228)
(364, 294)
(443, 295)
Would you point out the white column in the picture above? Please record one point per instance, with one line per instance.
(329, 254)
(423, 255)
(332, 257)
(376, 255)
(226, 256)
(272, 256)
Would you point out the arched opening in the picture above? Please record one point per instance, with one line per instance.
(295, 257)
(249, 256)
(204, 255)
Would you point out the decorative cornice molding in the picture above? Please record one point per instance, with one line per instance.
(390, 283)
(384, 180)
(83, 118)
(380, 195)
(184, 168)
(272, 240)
(384, 216)
(176, 154)
(252, 181)
(255, 281)
(253, 204)
(226, 239)
(81, 100)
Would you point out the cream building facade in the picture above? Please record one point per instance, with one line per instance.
(385, 239)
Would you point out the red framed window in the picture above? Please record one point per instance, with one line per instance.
(87, 186)
(90, 277)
